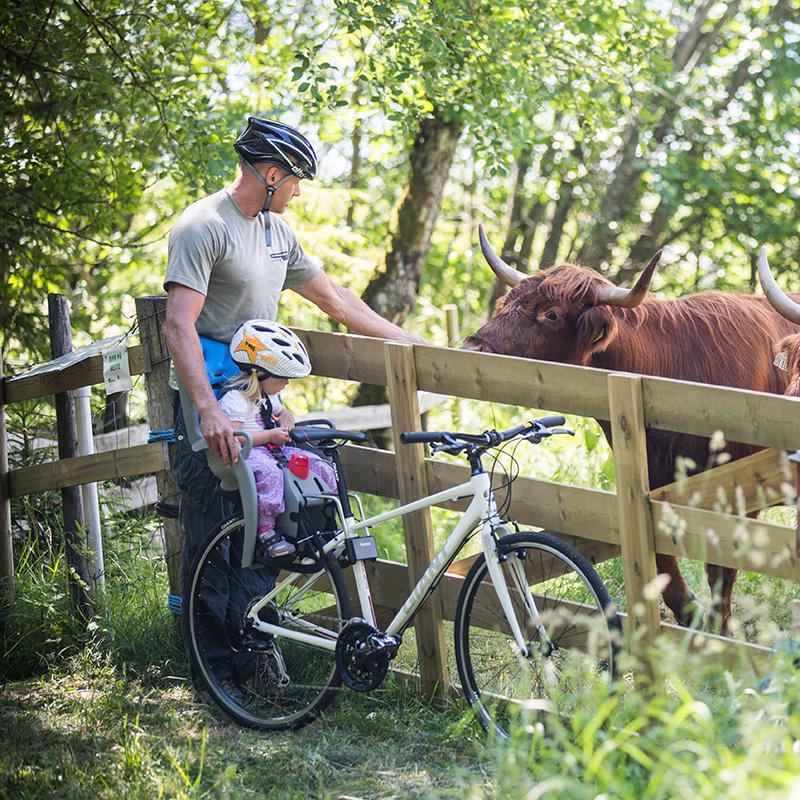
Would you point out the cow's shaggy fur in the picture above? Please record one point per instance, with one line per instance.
(711, 337)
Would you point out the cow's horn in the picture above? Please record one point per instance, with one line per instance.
(784, 305)
(507, 274)
(629, 298)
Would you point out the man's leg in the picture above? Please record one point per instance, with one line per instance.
(227, 593)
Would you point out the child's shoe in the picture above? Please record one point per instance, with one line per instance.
(272, 545)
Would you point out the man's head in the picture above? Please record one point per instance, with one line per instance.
(279, 157)
(266, 142)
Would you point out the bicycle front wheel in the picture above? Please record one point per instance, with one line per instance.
(569, 624)
(263, 682)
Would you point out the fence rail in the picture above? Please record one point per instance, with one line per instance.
(687, 518)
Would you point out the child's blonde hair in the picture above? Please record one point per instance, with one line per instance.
(248, 384)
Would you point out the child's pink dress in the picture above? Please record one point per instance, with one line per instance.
(267, 471)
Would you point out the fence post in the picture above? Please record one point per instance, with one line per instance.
(66, 425)
(6, 542)
(451, 320)
(635, 521)
(150, 313)
(401, 378)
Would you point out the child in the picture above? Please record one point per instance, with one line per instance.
(269, 355)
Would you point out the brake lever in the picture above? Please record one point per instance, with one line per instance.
(447, 448)
(536, 436)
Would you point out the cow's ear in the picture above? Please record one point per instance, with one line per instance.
(596, 329)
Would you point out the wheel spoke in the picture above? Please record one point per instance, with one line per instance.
(563, 610)
(261, 681)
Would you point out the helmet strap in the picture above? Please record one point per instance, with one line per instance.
(270, 188)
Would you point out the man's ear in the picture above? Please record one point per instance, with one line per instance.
(596, 329)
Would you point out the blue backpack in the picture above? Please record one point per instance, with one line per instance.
(220, 367)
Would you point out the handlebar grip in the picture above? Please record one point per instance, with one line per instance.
(311, 422)
(552, 422)
(325, 434)
(421, 437)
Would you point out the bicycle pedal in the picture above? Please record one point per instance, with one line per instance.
(250, 642)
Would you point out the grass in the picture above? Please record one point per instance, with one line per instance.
(94, 729)
(113, 714)
(90, 732)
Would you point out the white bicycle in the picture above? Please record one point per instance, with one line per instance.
(533, 621)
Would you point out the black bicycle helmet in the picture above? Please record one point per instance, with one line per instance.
(266, 142)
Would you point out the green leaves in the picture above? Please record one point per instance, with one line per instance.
(98, 104)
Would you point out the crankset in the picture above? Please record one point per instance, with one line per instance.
(363, 654)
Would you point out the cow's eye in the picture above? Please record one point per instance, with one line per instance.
(552, 316)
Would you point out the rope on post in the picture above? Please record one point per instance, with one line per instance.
(174, 603)
(161, 435)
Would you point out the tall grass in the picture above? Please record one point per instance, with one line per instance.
(133, 627)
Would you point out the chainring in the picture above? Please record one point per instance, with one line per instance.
(360, 666)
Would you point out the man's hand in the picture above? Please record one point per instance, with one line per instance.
(218, 433)
(286, 419)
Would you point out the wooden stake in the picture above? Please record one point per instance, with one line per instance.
(413, 485)
(451, 318)
(6, 543)
(79, 577)
(635, 520)
(151, 312)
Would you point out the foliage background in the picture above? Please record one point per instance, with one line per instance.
(118, 114)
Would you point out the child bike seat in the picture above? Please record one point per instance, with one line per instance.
(238, 477)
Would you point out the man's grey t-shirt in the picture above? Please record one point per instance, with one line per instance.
(219, 251)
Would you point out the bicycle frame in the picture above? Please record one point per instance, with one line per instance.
(482, 508)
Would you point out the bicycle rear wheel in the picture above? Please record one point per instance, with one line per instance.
(571, 629)
(263, 682)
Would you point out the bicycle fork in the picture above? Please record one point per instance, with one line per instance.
(494, 564)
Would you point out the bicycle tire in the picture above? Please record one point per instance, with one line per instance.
(506, 688)
(245, 683)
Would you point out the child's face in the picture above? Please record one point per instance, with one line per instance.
(273, 385)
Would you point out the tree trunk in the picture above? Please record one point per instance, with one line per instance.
(515, 222)
(566, 197)
(527, 226)
(355, 159)
(392, 292)
(514, 231)
(78, 578)
(623, 191)
(531, 225)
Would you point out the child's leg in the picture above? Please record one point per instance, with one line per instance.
(269, 486)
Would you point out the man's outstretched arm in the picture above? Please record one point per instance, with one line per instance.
(183, 308)
(351, 311)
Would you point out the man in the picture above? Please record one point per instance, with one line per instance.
(230, 256)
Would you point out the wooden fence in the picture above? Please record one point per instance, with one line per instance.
(681, 519)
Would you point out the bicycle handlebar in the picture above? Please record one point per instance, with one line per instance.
(304, 436)
(490, 437)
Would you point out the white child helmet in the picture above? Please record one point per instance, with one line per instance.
(266, 346)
